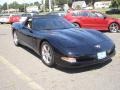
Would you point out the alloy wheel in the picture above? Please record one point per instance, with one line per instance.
(15, 38)
(114, 27)
(47, 54)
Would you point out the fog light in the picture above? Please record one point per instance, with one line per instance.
(69, 59)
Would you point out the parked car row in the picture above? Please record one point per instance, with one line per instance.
(11, 18)
(91, 19)
(113, 11)
(4, 18)
(81, 18)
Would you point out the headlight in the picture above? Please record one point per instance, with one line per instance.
(69, 59)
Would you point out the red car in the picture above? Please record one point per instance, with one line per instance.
(14, 18)
(93, 20)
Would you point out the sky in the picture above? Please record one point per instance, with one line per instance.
(19, 1)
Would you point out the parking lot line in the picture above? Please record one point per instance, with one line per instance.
(20, 74)
(118, 54)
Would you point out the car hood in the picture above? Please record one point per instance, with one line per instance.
(76, 37)
(76, 42)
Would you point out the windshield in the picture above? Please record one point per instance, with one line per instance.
(51, 24)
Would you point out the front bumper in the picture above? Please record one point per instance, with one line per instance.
(85, 61)
(82, 64)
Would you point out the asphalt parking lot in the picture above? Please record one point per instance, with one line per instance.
(21, 69)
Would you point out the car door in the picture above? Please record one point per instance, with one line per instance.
(95, 20)
(91, 21)
(85, 20)
(101, 21)
(27, 36)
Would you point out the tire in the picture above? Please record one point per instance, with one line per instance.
(77, 25)
(114, 27)
(47, 54)
(15, 39)
(119, 30)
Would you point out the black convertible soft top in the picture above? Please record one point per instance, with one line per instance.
(50, 22)
(45, 16)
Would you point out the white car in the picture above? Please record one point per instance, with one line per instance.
(4, 18)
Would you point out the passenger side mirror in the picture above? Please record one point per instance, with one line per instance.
(28, 28)
(105, 17)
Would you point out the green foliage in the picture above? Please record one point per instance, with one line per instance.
(14, 5)
(115, 3)
(37, 4)
(61, 2)
(0, 8)
(4, 7)
(78, 7)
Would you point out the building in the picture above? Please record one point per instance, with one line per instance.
(102, 4)
(32, 9)
(79, 4)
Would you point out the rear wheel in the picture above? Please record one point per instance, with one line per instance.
(47, 54)
(114, 27)
(15, 38)
(1, 23)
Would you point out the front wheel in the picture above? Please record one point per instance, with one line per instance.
(114, 27)
(15, 38)
(47, 54)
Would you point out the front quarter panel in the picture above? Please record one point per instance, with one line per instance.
(17, 26)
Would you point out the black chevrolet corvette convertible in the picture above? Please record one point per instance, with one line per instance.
(59, 42)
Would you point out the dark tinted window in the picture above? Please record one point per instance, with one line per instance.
(85, 13)
(57, 13)
(76, 13)
(91, 14)
(96, 14)
(26, 15)
(80, 13)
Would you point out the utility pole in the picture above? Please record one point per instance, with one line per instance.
(8, 7)
(50, 5)
(24, 7)
(44, 5)
(24, 3)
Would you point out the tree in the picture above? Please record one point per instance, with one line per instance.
(22, 8)
(115, 3)
(37, 4)
(14, 5)
(61, 2)
(4, 7)
(0, 8)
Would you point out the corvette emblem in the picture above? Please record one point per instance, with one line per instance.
(97, 46)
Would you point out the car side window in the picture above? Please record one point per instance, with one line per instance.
(92, 14)
(99, 15)
(84, 14)
(28, 24)
(75, 13)
(80, 13)
(96, 14)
